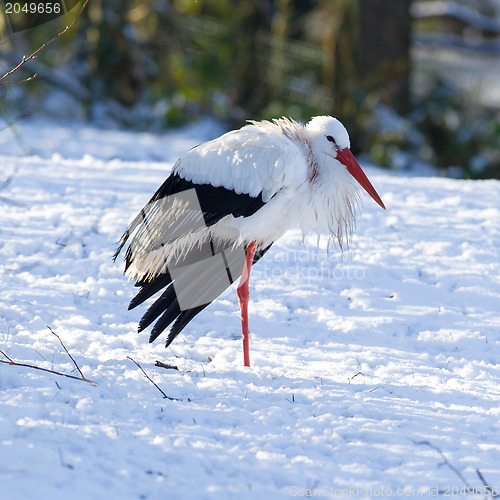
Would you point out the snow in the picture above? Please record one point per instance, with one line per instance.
(457, 11)
(375, 372)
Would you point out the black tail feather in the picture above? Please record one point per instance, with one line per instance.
(167, 308)
(184, 318)
(149, 289)
(172, 311)
(164, 302)
(215, 203)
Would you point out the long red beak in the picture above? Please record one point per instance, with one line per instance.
(347, 158)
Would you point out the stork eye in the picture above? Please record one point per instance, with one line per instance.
(331, 139)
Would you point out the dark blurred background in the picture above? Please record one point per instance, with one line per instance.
(417, 83)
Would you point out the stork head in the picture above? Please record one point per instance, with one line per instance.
(331, 146)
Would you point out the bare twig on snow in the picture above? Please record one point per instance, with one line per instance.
(159, 364)
(26, 365)
(445, 460)
(151, 380)
(494, 494)
(67, 352)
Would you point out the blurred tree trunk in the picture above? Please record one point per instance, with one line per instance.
(251, 87)
(384, 62)
(115, 69)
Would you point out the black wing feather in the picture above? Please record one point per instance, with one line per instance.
(184, 318)
(173, 312)
(149, 288)
(215, 203)
(167, 300)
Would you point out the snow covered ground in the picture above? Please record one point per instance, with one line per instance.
(374, 374)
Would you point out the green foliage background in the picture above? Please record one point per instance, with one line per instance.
(180, 60)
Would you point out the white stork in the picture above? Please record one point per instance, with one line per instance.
(226, 202)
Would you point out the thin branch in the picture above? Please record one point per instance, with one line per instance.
(7, 357)
(25, 59)
(67, 352)
(494, 494)
(355, 375)
(15, 363)
(81, 377)
(447, 463)
(6, 127)
(33, 77)
(151, 380)
(16, 133)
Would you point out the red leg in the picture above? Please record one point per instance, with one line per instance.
(243, 296)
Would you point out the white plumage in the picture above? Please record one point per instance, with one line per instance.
(249, 185)
(256, 159)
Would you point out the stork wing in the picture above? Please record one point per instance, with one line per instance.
(200, 272)
(258, 160)
(174, 219)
